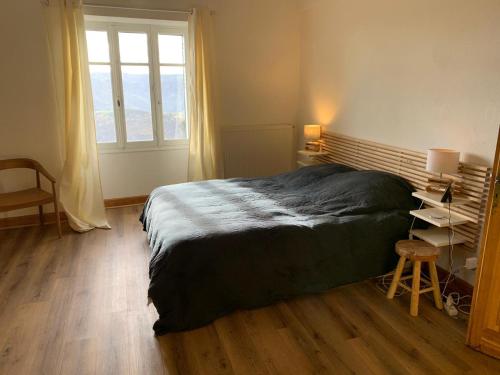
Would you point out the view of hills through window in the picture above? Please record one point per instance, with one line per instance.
(139, 109)
(138, 99)
(173, 94)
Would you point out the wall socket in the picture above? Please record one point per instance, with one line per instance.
(471, 263)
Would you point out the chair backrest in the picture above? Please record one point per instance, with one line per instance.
(18, 163)
(28, 164)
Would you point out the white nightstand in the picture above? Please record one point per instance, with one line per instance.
(439, 216)
(307, 157)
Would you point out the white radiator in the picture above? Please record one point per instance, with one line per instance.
(258, 150)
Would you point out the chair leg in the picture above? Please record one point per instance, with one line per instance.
(395, 279)
(58, 218)
(435, 284)
(40, 214)
(415, 288)
(56, 210)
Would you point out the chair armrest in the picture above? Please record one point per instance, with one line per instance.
(44, 172)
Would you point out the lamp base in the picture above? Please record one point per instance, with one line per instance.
(313, 146)
(447, 187)
(437, 187)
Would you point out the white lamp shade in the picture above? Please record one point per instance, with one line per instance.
(441, 160)
(312, 132)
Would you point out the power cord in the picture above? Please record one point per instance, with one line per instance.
(383, 284)
(451, 237)
(415, 218)
(453, 300)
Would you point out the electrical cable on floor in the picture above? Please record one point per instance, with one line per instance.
(383, 285)
(464, 308)
(455, 297)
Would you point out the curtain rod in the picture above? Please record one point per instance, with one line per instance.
(179, 11)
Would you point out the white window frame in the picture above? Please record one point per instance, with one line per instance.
(114, 25)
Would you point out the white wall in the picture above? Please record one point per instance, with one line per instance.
(413, 73)
(264, 150)
(27, 128)
(257, 79)
(256, 82)
(137, 173)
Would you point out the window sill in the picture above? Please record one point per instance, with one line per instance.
(117, 150)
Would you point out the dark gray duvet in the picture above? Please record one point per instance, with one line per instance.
(223, 245)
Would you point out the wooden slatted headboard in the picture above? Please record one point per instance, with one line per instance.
(410, 165)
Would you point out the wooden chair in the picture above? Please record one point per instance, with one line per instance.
(30, 197)
(417, 252)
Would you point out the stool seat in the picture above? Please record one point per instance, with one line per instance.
(416, 250)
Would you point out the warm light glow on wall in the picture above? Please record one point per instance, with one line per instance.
(325, 111)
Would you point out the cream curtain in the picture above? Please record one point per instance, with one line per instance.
(80, 185)
(205, 161)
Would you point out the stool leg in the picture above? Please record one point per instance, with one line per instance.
(435, 284)
(40, 214)
(395, 279)
(415, 288)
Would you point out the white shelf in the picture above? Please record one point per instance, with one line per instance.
(312, 153)
(308, 163)
(438, 237)
(440, 217)
(435, 199)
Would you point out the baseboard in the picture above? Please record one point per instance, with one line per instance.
(29, 220)
(124, 202)
(457, 285)
(50, 218)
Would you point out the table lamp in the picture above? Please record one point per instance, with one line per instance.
(312, 135)
(442, 161)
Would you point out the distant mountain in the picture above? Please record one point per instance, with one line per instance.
(136, 92)
(138, 107)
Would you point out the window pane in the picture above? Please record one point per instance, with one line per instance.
(102, 94)
(97, 45)
(136, 94)
(171, 49)
(173, 93)
(133, 47)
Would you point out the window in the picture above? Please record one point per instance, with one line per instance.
(138, 77)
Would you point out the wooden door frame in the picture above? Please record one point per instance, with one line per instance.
(475, 332)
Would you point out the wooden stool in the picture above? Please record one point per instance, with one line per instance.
(417, 252)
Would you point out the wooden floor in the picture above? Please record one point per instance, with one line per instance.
(78, 306)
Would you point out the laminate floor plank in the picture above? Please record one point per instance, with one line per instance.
(78, 305)
(429, 339)
(282, 353)
(384, 336)
(242, 352)
(325, 359)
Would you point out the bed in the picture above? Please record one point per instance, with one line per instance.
(221, 245)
